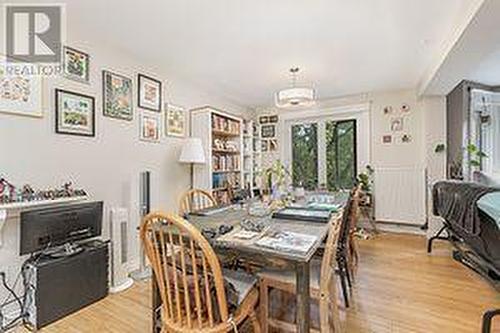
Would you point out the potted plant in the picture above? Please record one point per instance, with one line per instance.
(275, 178)
(365, 180)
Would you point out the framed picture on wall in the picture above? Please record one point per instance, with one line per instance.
(264, 145)
(175, 121)
(267, 131)
(387, 139)
(75, 113)
(20, 94)
(263, 119)
(150, 127)
(76, 64)
(397, 124)
(149, 93)
(117, 96)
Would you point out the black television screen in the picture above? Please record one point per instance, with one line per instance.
(49, 227)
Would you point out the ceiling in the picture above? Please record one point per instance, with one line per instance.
(242, 49)
(476, 54)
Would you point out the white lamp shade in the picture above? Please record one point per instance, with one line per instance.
(192, 151)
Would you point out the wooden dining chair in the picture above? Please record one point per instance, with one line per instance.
(323, 286)
(190, 279)
(194, 200)
(353, 252)
(347, 249)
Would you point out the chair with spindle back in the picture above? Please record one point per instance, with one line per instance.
(353, 220)
(323, 286)
(194, 200)
(347, 248)
(190, 279)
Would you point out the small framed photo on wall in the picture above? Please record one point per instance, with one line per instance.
(175, 121)
(268, 131)
(75, 113)
(273, 119)
(149, 93)
(263, 119)
(76, 64)
(150, 127)
(397, 124)
(117, 96)
(386, 139)
(264, 146)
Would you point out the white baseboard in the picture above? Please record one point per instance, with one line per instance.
(394, 228)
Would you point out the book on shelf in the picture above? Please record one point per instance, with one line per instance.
(225, 125)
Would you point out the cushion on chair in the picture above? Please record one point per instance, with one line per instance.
(242, 282)
(288, 276)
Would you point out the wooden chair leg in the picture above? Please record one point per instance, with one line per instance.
(343, 283)
(255, 322)
(264, 305)
(347, 271)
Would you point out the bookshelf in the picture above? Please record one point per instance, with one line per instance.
(256, 157)
(222, 138)
(248, 158)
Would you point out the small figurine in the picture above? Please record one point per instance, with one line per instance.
(27, 193)
(7, 191)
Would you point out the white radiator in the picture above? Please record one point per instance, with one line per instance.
(400, 195)
(120, 279)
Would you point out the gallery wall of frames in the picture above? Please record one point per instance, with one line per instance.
(108, 118)
(75, 111)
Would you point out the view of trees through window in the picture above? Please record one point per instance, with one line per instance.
(339, 147)
(305, 155)
(340, 154)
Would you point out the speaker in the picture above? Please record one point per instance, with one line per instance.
(145, 193)
(144, 271)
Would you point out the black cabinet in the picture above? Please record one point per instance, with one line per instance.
(59, 287)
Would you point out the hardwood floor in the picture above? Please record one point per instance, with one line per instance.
(399, 288)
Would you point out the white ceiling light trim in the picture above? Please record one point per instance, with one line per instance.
(295, 97)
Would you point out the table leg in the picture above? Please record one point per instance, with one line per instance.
(303, 297)
(156, 303)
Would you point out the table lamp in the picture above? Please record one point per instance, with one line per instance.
(192, 153)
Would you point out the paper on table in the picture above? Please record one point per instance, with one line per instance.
(287, 241)
(238, 234)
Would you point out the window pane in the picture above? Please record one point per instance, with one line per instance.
(305, 155)
(341, 154)
(331, 155)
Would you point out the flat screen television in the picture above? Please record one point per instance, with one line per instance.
(55, 226)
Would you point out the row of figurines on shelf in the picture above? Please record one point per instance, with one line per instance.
(225, 124)
(222, 180)
(226, 162)
(222, 144)
(10, 193)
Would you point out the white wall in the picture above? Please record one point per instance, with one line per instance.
(106, 166)
(435, 133)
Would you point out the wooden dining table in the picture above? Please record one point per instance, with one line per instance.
(249, 251)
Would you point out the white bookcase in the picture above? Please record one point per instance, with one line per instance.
(248, 156)
(222, 138)
(256, 156)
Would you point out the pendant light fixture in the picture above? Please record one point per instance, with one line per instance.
(295, 97)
